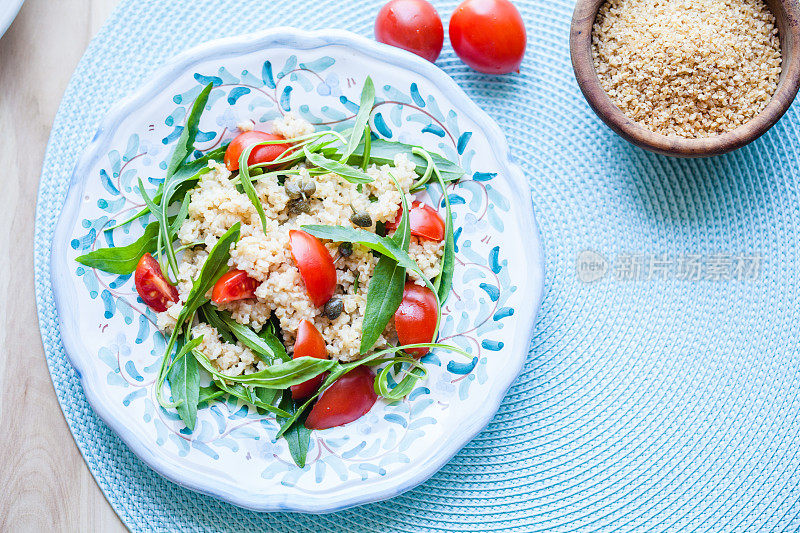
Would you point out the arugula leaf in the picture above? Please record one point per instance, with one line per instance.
(245, 335)
(367, 146)
(406, 385)
(298, 436)
(444, 282)
(382, 245)
(362, 118)
(184, 383)
(247, 185)
(215, 266)
(208, 313)
(277, 376)
(382, 152)
(185, 145)
(351, 174)
(122, 260)
(385, 290)
(248, 394)
(269, 335)
(207, 394)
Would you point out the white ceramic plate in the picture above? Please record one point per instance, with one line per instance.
(110, 335)
(8, 12)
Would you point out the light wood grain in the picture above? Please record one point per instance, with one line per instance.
(45, 484)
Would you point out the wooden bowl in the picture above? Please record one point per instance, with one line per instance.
(787, 15)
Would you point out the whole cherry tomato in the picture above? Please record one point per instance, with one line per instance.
(424, 220)
(260, 154)
(412, 25)
(415, 319)
(315, 264)
(152, 286)
(348, 398)
(309, 343)
(488, 35)
(232, 286)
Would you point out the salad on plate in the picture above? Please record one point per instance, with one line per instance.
(299, 271)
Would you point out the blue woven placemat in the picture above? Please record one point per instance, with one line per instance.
(661, 387)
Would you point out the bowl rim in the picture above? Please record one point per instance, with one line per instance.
(580, 45)
(64, 291)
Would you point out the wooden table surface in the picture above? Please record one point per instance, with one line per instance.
(45, 484)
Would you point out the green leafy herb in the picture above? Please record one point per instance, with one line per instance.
(367, 148)
(208, 314)
(184, 383)
(362, 118)
(278, 376)
(351, 174)
(207, 394)
(271, 335)
(385, 290)
(382, 245)
(444, 282)
(216, 264)
(185, 145)
(248, 337)
(382, 152)
(297, 436)
(251, 395)
(407, 383)
(122, 260)
(247, 185)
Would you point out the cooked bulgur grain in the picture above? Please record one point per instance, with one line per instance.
(688, 68)
(216, 205)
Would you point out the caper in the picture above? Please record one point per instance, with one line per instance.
(361, 219)
(308, 187)
(256, 171)
(333, 308)
(293, 189)
(298, 205)
(346, 249)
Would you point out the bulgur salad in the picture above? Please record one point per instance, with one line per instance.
(294, 270)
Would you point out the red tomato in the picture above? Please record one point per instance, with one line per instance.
(415, 319)
(232, 286)
(348, 398)
(260, 154)
(315, 264)
(309, 343)
(152, 286)
(424, 220)
(412, 25)
(488, 35)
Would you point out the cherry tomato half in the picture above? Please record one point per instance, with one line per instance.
(152, 286)
(412, 25)
(488, 35)
(424, 220)
(315, 264)
(232, 286)
(415, 319)
(260, 154)
(309, 343)
(348, 398)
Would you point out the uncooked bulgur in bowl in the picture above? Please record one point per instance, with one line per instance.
(687, 78)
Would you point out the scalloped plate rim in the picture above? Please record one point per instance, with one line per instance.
(304, 40)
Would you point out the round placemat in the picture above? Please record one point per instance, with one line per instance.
(661, 389)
